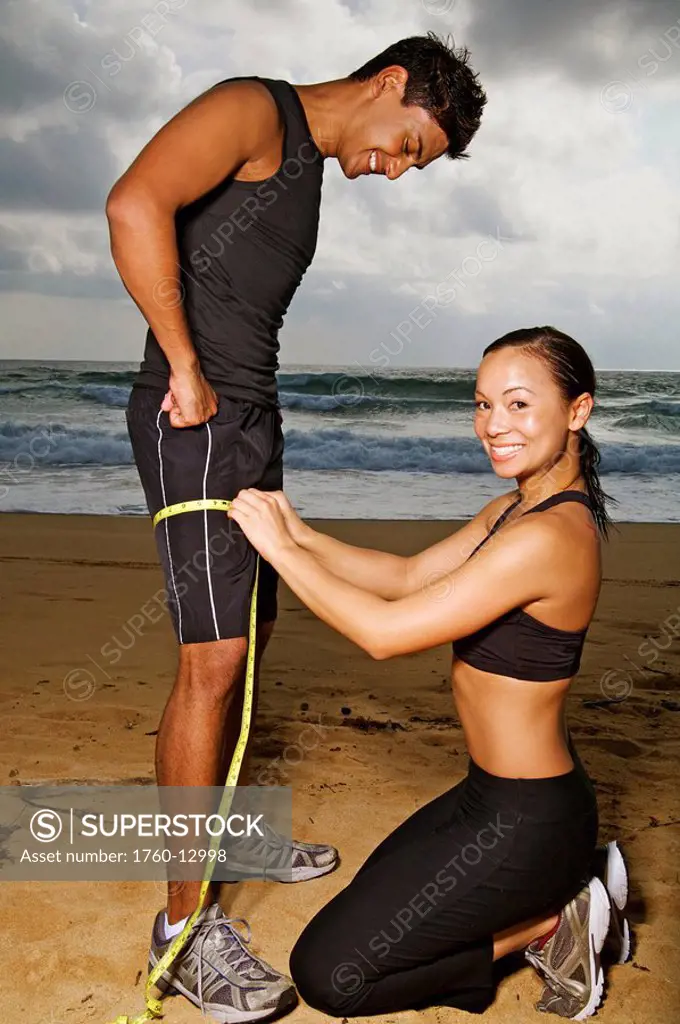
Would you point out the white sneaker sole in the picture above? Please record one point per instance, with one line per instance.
(305, 873)
(616, 881)
(598, 926)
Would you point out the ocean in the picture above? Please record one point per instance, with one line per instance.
(397, 445)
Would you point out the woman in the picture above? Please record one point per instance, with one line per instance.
(501, 863)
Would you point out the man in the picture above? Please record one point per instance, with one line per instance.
(212, 229)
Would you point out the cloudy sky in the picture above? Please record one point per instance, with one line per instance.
(567, 212)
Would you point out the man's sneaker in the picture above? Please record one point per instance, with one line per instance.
(615, 877)
(569, 960)
(273, 857)
(217, 972)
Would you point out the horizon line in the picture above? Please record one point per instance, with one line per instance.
(365, 371)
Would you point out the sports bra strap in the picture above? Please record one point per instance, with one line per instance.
(503, 516)
(554, 499)
(557, 499)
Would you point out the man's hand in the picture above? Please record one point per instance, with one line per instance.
(190, 401)
(260, 517)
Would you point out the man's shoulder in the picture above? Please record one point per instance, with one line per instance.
(253, 96)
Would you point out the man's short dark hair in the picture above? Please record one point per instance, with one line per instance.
(440, 80)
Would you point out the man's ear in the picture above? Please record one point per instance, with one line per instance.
(392, 77)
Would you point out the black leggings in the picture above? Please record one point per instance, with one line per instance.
(415, 926)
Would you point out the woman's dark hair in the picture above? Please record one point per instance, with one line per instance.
(440, 81)
(573, 373)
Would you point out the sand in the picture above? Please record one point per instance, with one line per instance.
(73, 953)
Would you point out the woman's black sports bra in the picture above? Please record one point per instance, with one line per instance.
(517, 644)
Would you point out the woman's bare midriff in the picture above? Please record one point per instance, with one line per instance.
(513, 728)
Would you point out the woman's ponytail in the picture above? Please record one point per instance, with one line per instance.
(590, 460)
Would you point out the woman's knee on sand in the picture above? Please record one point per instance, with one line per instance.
(340, 982)
(328, 972)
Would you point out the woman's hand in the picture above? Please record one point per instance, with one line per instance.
(259, 515)
(299, 531)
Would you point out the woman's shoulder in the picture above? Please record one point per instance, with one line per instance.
(497, 507)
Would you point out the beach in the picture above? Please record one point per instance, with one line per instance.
(88, 662)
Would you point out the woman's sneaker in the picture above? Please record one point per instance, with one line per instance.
(217, 972)
(615, 877)
(569, 959)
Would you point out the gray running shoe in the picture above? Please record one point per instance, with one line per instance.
(569, 962)
(273, 857)
(218, 973)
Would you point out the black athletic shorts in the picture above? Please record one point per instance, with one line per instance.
(208, 563)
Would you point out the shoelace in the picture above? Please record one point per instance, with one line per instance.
(206, 929)
(271, 840)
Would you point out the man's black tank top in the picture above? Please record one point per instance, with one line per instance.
(244, 248)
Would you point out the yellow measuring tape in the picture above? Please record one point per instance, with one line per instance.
(154, 1006)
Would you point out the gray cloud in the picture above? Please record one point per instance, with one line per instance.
(54, 169)
(66, 284)
(361, 324)
(46, 53)
(13, 255)
(74, 83)
(462, 210)
(24, 81)
(118, 88)
(474, 210)
(588, 40)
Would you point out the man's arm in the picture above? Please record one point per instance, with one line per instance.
(213, 137)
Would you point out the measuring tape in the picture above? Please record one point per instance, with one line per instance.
(154, 1006)
(201, 504)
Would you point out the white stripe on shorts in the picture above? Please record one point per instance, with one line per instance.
(167, 534)
(205, 527)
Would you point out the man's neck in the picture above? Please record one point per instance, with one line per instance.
(327, 106)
